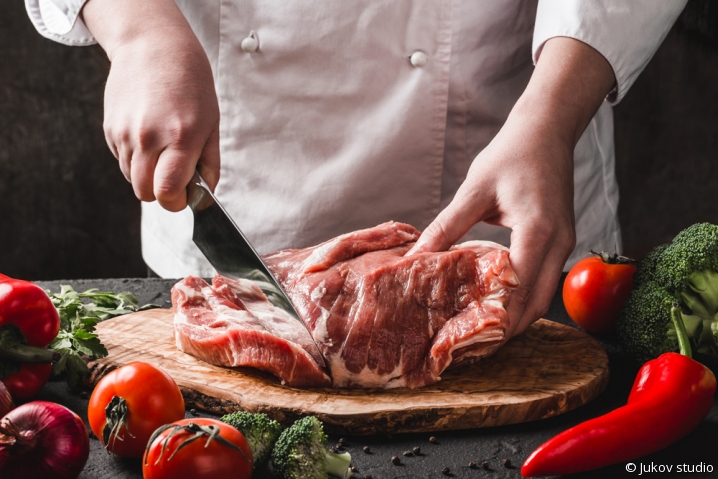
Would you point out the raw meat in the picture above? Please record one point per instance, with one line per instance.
(231, 323)
(380, 319)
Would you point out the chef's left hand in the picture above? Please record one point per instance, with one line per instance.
(523, 179)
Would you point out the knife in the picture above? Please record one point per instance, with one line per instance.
(228, 250)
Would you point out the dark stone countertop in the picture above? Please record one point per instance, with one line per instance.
(455, 449)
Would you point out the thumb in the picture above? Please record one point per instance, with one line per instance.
(448, 228)
(209, 161)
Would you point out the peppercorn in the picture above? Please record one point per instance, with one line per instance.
(416, 451)
(506, 463)
(395, 460)
(354, 469)
(193, 412)
(366, 449)
(473, 465)
(408, 453)
(342, 441)
(433, 440)
(446, 471)
(485, 466)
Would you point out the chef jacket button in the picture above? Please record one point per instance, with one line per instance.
(250, 44)
(418, 59)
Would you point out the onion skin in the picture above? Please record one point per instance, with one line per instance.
(6, 404)
(42, 439)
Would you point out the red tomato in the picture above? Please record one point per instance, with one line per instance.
(195, 461)
(152, 399)
(596, 289)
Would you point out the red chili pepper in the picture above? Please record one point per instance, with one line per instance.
(26, 308)
(671, 395)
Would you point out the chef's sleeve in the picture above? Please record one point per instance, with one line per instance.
(60, 20)
(626, 33)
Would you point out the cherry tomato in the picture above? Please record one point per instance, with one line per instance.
(232, 458)
(150, 397)
(596, 289)
(28, 381)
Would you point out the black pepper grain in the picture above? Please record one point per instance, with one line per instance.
(193, 412)
(485, 466)
(354, 469)
(506, 463)
(416, 451)
(433, 440)
(395, 460)
(366, 449)
(408, 453)
(342, 441)
(446, 471)
(472, 465)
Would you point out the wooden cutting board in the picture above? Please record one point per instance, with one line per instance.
(547, 371)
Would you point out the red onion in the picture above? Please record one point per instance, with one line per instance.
(42, 440)
(6, 404)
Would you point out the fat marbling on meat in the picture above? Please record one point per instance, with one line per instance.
(380, 319)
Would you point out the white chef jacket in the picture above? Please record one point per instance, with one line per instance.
(349, 114)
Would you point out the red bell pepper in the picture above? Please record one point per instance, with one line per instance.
(25, 361)
(671, 395)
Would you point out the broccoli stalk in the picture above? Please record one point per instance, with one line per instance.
(685, 271)
(301, 453)
(681, 333)
(260, 431)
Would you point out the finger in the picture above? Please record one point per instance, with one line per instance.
(464, 211)
(209, 162)
(142, 170)
(173, 173)
(112, 146)
(537, 256)
(124, 158)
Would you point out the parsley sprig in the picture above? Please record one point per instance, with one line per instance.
(79, 314)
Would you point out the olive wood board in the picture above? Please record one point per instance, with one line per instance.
(548, 370)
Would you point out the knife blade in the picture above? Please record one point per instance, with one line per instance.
(228, 250)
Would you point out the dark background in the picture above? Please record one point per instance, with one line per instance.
(67, 212)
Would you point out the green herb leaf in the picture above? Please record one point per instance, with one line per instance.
(79, 315)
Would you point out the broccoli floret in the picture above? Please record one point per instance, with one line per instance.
(645, 322)
(686, 272)
(301, 453)
(260, 431)
(689, 267)
(646, 266)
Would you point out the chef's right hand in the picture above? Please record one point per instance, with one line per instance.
(161, 111)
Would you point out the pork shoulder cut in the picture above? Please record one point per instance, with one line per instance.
(380, 319)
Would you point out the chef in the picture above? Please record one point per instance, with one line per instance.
(469, 120)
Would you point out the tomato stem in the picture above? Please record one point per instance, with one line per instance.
(212, 432)
(612, 258)
(116, 413)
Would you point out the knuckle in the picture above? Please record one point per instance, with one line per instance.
(181, 132)
(167, 190)
(521, 294)
(146, 137)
